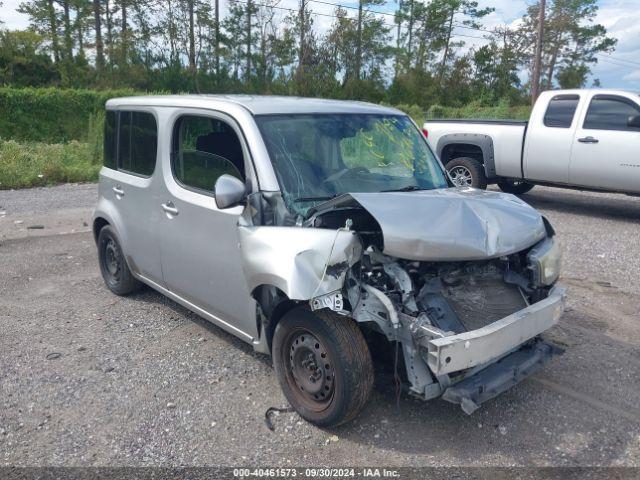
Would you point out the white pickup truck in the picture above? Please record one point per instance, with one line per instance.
(584, 139)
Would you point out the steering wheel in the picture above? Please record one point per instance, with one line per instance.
(341, 173)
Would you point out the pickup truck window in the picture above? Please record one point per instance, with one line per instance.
(320, 156)
(138, 143)
(205, 148)
(561, 110)
(610, 112)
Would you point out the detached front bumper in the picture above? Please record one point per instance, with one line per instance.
(484, 345)
(501, 375)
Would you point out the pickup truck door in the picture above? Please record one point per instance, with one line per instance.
(606, 149)
(549, 138)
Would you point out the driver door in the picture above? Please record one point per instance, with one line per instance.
(201, 260)
(605, 148)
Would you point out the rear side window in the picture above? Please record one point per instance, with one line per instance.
(609, 112)
(109, 153)
(204, 149)
(561, 110)
(137, 143)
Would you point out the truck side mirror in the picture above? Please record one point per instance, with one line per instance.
(634, 121)
(229, 191)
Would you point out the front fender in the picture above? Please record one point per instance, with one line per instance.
(302, 262)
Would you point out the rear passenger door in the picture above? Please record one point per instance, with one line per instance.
(606, 149)
(131, 150)
(201, 258)
(549, 141)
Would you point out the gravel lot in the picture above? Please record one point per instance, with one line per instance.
(88, 378)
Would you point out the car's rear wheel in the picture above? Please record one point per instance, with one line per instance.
(515, 186)
(467, 172)
(113, 265)
(323, 365)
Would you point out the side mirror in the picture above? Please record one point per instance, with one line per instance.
(634, 121)
(229, 191)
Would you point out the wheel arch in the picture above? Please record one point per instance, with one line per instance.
(472, 145)
(272, 304)
(98, 224)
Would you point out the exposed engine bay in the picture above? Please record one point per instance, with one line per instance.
(466, 302)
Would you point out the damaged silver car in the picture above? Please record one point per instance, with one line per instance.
(322, 232)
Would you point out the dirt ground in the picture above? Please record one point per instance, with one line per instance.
(88, 378)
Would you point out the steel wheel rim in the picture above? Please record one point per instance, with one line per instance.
(112, 260)
(309, 370)
(461, 176)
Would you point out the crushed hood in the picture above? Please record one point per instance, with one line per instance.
(452, 224)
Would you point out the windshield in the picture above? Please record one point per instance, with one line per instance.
(319, 156)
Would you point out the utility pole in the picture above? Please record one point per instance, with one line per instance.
(399, 19)
(359, 42)
(443, 65)
(249, 11)
(301, 50)
(217, 46)
(537, 60)
(192, 39)
(99, 46)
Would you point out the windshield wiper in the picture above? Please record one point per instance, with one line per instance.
(408, 188)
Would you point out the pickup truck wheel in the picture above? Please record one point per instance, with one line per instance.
(323, 365)
(113, 265)
(515, 186)
(467, 172)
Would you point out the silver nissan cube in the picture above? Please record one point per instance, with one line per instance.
(323, 232)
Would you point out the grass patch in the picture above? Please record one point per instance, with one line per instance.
(36, 164)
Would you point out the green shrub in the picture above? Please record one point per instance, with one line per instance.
(51, 114)
(37, 164)
(475, 110)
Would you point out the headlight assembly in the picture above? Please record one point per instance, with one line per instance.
(544, 260)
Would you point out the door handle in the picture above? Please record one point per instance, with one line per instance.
(588, 140)
(118, 190)
(170, 208)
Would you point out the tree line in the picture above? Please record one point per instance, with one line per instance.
(414, 53)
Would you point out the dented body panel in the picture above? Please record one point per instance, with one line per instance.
(452, 224)
(303, 263)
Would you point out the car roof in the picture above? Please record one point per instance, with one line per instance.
(576, 91)
(256, 104)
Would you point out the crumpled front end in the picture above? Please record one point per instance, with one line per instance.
(467, 296)
(468, 330)
(464, 282)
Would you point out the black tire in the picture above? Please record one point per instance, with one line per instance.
(516, 187)
(113, 265)
(338, 365)
(467, 172)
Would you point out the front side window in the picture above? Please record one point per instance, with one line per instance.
(320, 156)
(109, 152)
(561, 110)
(138, 143)
(205, 148)
(608, 112)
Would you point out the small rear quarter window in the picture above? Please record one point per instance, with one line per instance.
(561, 110)
(109, 152)
(138, 143)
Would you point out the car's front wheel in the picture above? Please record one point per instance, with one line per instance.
(113, 265)
(323, 365)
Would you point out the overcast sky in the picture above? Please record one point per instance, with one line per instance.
(621, 18)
